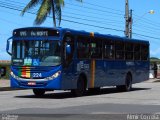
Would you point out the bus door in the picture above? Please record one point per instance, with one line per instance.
(68, 62)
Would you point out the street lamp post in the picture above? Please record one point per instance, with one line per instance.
(150, 12)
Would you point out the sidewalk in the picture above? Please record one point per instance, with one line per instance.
(4, 85)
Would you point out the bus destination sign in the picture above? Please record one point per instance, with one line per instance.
(35, 33)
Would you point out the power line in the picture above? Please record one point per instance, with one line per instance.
(75, 9)
(120, 11)
(113, 21)
(93, 17)
(147, 36)
(89, 8)
(149, 22)
(8, 7)
(89, 20)
(81, 6)
(66, 20)
(104, 7)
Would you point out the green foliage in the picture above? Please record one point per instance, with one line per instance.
(46, 8)
(154, 59)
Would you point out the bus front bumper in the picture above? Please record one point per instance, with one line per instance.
(42, 84)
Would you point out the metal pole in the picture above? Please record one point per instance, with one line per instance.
(126, 19)
(130, 24)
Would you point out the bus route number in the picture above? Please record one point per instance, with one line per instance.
(37, 75)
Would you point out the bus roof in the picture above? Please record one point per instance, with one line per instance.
(85, 33)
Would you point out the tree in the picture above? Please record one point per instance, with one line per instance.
(46, 8)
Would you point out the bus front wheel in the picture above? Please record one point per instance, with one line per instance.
(81, 87)
(38, 92)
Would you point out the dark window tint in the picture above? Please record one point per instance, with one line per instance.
(83, 47)
(144, 52)
(119, 46)
(96, 48)
(129, 51)
(137, 52)
(108, 49)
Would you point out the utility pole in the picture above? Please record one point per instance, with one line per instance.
(130, 24)
(128, 20)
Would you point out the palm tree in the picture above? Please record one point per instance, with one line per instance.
(46, 8)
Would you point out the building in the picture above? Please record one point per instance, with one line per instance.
(5, 69)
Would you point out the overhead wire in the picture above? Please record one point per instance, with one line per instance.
(64, 19)
(102, 27)
(95, 9)
(91, 20)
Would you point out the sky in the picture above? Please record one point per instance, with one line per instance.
(102, 16)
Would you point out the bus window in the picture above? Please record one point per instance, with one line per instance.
(144, 52)
(96, 49)
(129, 51)
(68, 40)
(83, 48)
(108, 49)
(119, 46)
(137, 54)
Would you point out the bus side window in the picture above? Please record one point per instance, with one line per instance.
(108, 49)
(137, 53)
(129, 51)
(96, 48)
(119, 46)
(83, 47)
(144, 52)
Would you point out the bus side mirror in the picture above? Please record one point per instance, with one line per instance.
(68, 49)
(9, 46)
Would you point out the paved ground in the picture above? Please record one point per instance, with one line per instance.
(109, 104)
(6, 82)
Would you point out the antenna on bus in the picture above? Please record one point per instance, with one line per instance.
(128, 20)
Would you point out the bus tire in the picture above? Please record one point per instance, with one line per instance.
(128, 84)
(39, 92)
(81, 87)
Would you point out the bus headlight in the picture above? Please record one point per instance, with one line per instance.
(55, 75)
(14, 76)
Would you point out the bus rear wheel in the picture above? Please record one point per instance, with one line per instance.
(38, 92)
(81, 87)
(128, 84)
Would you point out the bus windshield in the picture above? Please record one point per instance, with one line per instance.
(36, 53)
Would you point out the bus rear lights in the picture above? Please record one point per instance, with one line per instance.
(55, 75)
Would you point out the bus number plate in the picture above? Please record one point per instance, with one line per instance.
(31, 83)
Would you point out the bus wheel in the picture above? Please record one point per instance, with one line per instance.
(127, 86)
(81, 88)
(39, 92)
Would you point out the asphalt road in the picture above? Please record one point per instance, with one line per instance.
(109, 104)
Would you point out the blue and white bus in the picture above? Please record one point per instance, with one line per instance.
(45, 59)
